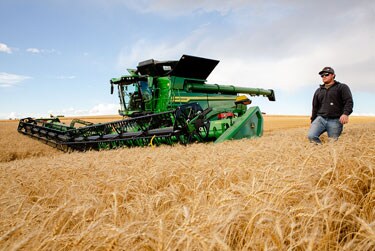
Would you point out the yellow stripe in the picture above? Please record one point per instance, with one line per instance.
(187, 99)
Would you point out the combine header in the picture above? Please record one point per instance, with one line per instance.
(162, 102)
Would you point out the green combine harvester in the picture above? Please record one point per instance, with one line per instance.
(162, 102)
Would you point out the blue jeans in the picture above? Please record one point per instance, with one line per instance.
(333, 127)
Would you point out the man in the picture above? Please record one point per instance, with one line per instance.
(332, 104)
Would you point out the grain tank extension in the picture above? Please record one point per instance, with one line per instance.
(162, 102)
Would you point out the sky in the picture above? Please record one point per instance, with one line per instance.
(57, 56)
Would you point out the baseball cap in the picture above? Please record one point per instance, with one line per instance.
(327, 69)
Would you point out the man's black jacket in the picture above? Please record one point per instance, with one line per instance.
(332, 102)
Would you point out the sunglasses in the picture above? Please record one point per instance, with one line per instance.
(325, 74)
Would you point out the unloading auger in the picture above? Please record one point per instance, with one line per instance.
(162, 102)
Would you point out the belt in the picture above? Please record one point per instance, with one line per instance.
(325, 117)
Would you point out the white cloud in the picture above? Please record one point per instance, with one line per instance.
(175, 8)
(4, 48)
(285, 49)
(271, 8)
(14, 115)
(33, 50)
(41, 51)
(97, 110)
(144, 50)
(104, 109)
(8, 79)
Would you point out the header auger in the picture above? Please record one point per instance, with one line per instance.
(162, 102)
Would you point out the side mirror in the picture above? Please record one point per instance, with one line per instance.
(111, 88)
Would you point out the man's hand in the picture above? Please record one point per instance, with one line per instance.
(344, 119)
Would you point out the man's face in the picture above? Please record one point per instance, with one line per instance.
(327, 78)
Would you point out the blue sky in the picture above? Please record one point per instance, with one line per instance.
(57, 56)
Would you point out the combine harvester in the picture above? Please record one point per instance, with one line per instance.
(162, 102)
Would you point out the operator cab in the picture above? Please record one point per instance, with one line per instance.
(134, 93)
(142, 94)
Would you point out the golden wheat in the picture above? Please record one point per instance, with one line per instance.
(277, 192)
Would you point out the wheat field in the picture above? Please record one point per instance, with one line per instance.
(277, 192)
